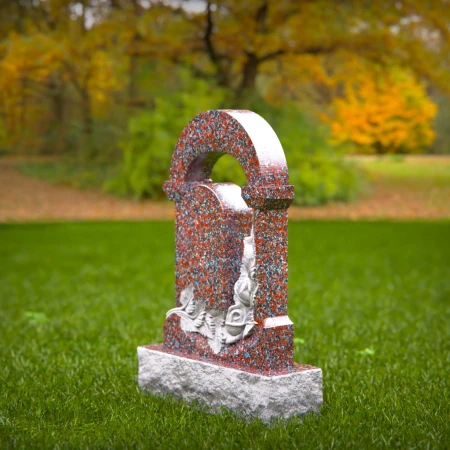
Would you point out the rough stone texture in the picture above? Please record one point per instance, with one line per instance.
(216, 386)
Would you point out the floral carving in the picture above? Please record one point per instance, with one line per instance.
(223, 327)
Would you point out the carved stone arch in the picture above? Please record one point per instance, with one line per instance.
(249, 139)
(242, 134)
(218, 216)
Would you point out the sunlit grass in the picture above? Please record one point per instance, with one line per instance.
(408, 168)
(69, 173)
(370, 301)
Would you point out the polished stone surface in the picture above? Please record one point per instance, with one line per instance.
(211, 221)
(228, 339)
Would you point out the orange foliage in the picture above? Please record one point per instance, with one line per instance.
(62, 61)
(34, 66)
(388, 113)
(26, 65)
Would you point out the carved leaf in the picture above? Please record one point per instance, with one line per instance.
(248, 328)
(198, 322)
(239, 317)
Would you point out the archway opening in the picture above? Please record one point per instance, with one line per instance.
(227, 169)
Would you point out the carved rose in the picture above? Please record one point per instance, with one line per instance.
(243, 290)
(219, 327)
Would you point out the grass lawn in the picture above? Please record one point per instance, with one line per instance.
(422, 180)
(370, 300)
(418, 171)
(69, 173)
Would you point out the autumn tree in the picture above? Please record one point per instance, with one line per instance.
(27, 64)
(66, 58)
(387, 113)
(58, 58)
(237, 42)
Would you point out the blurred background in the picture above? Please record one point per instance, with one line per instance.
(94, 94)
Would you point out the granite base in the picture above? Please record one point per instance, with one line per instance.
(267, 397)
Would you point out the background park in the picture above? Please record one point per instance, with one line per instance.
(93, 97)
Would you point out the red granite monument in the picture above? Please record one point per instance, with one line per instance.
(228, 341)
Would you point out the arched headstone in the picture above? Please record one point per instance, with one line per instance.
(231, 276)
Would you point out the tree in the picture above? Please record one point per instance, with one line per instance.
(98, 52)
(389, 113)
(236, 42)
(56, 56)
(27, 64)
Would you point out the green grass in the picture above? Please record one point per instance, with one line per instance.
(80, 176)
(406, 170)
(370, 300)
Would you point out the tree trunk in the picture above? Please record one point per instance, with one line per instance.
(132, 83)
(87, 147)
(247, 88)
(59, 115)
(133, 68)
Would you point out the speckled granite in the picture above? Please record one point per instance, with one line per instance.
(211, 222)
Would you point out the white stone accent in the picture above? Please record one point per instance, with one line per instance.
(223, 328)
(248, 394)
(278, 321)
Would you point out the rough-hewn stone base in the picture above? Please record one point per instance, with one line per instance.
(249, 394)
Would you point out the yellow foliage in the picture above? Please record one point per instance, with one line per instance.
(27, 63)
(384, 113)
(33, 65)
(67, 60)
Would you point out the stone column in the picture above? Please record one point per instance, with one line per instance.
(270, 222)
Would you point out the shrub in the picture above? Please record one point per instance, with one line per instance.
(320, 179)
(316, 168)
(148, 145)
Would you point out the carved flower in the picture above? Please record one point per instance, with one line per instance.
(190, 308)
(243, 289)
(249, 248)
(219, 327)
(187, 295)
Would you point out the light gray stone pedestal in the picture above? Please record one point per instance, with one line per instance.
(248, 394)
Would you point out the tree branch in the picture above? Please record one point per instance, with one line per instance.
(214, 56)
(271, 55)
(208, 37)
(261, 15)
